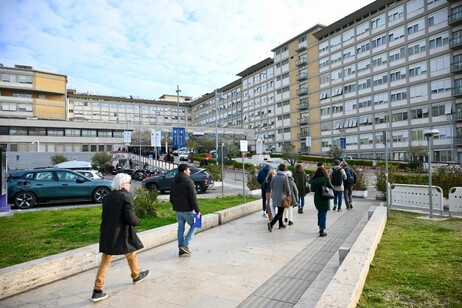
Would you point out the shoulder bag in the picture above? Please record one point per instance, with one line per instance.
(287, 201)
(326, 192)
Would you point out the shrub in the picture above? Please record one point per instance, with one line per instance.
(252, 183)
(102, 160)
(444, 177)
(447, 177)
(146, 203)
(58, 158)
(361, 180)
(215, 170)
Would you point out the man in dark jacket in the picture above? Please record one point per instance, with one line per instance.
(184, 200)
(261, 179)
(117, 234)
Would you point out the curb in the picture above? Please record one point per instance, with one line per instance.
(346, 287)
(25, 276)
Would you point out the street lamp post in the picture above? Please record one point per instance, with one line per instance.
(217, 96)
(430, 134)
(178, 117)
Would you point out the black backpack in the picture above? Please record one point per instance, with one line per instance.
(336, 177)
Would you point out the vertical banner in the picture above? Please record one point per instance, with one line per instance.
(155, 138)
(308, 141)
(182, 137)
(175, 137)
(127, 137)
(179, 137)
(4, 208)
(343, 143)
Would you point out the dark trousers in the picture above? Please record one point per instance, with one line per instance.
(322, 215)
(278, 216)
(263, 197)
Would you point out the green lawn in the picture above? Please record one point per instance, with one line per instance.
(418, 263)
(29, 236)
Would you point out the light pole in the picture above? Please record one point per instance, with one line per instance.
(217, 96)
(178, 117)
(430, 134)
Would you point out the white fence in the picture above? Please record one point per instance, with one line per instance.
(416, 197)
(455, 200)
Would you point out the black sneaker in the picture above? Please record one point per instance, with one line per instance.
(270, 227)
(185, 249)
(339, 209)
(143, 275)
(285, 219)
(181, 253)
(98, 295)
(282, 226)
(335, 207)
(322, 233)
(290, 223)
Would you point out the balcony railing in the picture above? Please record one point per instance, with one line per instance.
(303, 135)
(302, 91)
(301, 61)
(457, 116)
(455, 19)
(458, 140)
(456, 67)
(302, 46)
(302, 76)
(302, 106)
(457, 91)
(455, 43)
(303, 121)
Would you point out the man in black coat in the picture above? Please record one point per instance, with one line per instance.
(184, 200)
(117, 234)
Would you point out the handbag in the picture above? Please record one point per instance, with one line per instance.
(326, 192)
(287, 201)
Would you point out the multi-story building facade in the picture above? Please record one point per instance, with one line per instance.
(387, 67)
(392, 66)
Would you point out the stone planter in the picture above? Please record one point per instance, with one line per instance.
(380, 195)
(359, 193)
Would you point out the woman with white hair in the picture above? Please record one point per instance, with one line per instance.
(117, 234)
(288, 213)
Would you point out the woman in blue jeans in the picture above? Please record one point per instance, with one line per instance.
(319, 179)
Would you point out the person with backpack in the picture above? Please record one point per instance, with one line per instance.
(337, 175)
(261, 177)
(348, 184)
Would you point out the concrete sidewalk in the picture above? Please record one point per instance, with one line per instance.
(239, 263)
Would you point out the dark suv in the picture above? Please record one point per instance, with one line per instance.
(201, 178)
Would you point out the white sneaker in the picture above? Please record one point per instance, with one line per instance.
(265, 215)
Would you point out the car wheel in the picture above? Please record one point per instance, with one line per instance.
(99, 193)
(152, 187)
(24, 200)
(199, 188)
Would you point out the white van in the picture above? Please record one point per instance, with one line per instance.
(75, 165)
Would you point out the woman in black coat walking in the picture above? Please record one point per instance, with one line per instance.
(117, 233)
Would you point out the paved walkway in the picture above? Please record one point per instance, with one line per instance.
(237, 264)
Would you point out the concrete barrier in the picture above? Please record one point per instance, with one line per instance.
(25, 276)
(346, 287)
(236, 212)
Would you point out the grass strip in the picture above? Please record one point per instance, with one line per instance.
(418, 263)
(29, 236)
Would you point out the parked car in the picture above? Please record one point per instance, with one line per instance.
(91, 174)
(30, 187)
(201, 178)
(178, 151)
